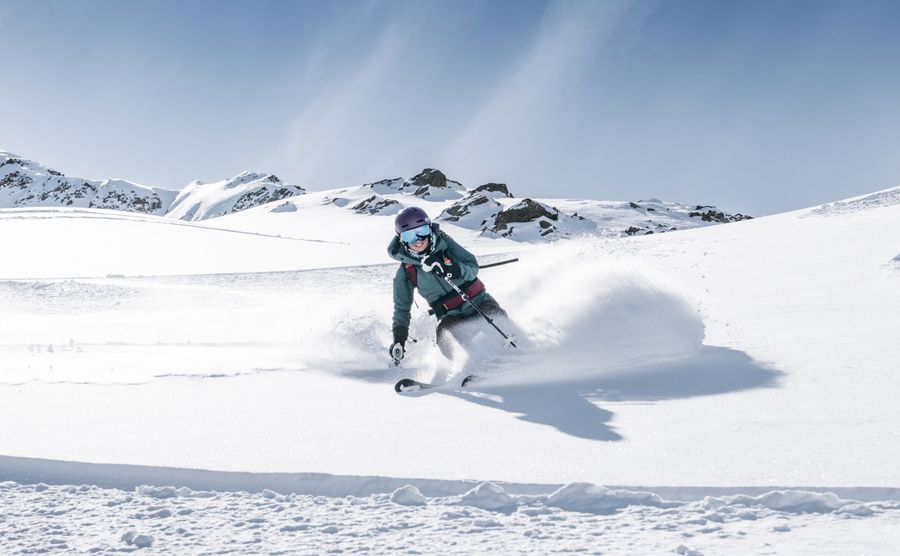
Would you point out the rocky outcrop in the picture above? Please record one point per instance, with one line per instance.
(708, 213)
(429, 184)
(529, 220)
(377, 205)
(492, 190)
(429, 177)
(475, 209)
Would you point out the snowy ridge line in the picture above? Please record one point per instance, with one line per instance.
(879, 199)
(131, 477)
(110, 214)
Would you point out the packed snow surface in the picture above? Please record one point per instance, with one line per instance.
(738, 383)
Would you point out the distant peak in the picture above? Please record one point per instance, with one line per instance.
(493, 188)
(430, 177)
(248, 176)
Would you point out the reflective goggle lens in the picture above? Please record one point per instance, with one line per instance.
(411, 236)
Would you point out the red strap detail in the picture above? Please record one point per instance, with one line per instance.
(411, 274)
(474, 289)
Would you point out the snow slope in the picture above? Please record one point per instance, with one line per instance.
(759, 354)
(200, 201)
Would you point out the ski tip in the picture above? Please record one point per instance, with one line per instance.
(408, 385)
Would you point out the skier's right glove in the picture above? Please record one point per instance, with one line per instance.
(435, 263)
(398, 348)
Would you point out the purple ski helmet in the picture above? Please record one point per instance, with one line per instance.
(410, 218)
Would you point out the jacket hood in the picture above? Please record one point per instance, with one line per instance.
(397, 252)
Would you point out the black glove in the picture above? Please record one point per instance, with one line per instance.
(401, 333)
(397, 352)
(436, 261)
(398, 348)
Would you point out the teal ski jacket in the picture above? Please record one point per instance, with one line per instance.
(463, 266)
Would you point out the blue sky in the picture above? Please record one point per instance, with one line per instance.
(755, 106)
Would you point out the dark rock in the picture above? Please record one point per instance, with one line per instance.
(373, 205)
(15, 180)
(455, 212)
(492, 188)
(12, 162)
(261, 196)
(713, 215)
(429, 177)
(524, 211)
(120, 200)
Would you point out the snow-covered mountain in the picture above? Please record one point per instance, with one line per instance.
(490, 209)
(201, 201)
(25, 183)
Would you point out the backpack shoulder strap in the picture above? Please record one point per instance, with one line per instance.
(411, 274)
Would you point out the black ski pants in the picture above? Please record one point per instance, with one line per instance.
(464, 327)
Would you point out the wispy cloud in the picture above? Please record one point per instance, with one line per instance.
(520, 118)
(375, 118)
(340, 131)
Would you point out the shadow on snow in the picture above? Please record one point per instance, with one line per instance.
(572, 406)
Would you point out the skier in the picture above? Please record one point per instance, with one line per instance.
(426, 255)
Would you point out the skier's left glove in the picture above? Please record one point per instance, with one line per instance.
(437, 262)
(398, 348)
(397, 352)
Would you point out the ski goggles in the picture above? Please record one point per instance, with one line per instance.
(414, 235)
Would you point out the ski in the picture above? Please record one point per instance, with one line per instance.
(410, 385)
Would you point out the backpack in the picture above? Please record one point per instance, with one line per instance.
(411, 274)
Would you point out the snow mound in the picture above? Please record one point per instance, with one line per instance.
(789, 501)
(161, 492)
(880, 199)
(590, 498)
(140, 540)
(286, 206)
(164, 492)
(408, 496)
(488, 496)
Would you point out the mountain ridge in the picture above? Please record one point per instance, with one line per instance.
(491, 209)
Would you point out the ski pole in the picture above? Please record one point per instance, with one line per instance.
(498, 264)
(447, 278)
